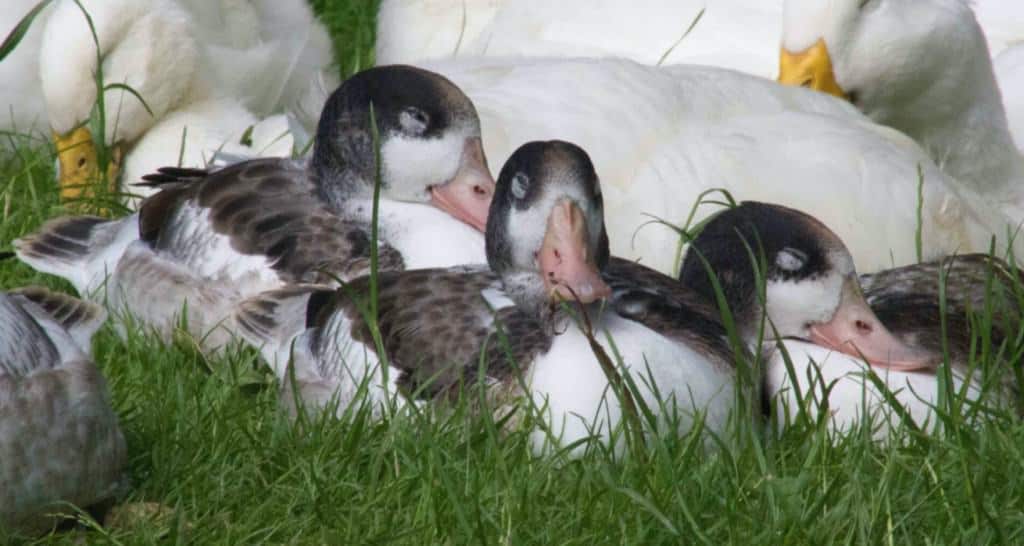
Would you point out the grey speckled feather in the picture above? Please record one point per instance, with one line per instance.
(212, 238)
(664, 305)
(59, 439)
(267, 208)
(434, 324)
(906, 299)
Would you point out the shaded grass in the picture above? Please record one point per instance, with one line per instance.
(352, 24)
(235, 471)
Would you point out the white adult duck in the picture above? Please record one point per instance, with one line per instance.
(669, 133)
(932, 80)
(730, 33)
(210, 238)
(546, 242)
(736, 34)
(22, 109)
(162, 51)
(266, 52)
(60, 441)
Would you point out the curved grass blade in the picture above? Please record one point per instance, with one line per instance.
(21, 29)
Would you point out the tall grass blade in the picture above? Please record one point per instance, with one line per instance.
(700, 15)
(21, 29)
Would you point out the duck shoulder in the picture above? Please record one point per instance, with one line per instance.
(438, 327)
(907, 300)
(264, 207)
(664, 305)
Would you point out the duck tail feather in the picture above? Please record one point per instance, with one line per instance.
(80, 318)
(81, 249)
(271, 320)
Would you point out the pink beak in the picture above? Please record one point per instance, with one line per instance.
(467, 196)
(568, 267)
(856, 331)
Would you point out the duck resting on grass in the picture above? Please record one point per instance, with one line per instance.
(976, 334)
(511, 326)
(60, 441)
(208, 239)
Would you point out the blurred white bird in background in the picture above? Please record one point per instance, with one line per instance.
(215, 76)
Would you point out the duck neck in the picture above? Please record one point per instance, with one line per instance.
(337, 180)
(961, 123)
(526, 289)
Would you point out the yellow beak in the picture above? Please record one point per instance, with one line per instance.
(79, 166)
(811, 68)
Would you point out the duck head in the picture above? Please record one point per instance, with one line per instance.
(429, 137)
(921, 67)
(811, 287)
(146, 45)
(545, 231)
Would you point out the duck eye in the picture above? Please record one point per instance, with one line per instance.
(413, 120)
(520, 183)
(790, 259)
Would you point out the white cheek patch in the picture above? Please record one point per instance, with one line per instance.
(842, 263)
(794, 304)
(526, 228)
(410, 164)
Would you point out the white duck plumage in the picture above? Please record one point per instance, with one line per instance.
(666, 134)
(737, 34)
(1009, 68)
(60, 441)
(266, 52)
(22, 108)
(203, 93)
(932, 80)
(209, 238)
(853, 397)
(744, 36)
(907, 299)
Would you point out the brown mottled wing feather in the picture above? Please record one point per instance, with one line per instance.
(664, 305)
(79, 317)
(906, 299)
(266, 207)
(435, 325)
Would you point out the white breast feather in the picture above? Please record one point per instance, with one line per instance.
(572, 392)
(428, 237)
(853, 395)
(209, 254)
(343, 367)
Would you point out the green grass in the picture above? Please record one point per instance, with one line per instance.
(213, 447)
